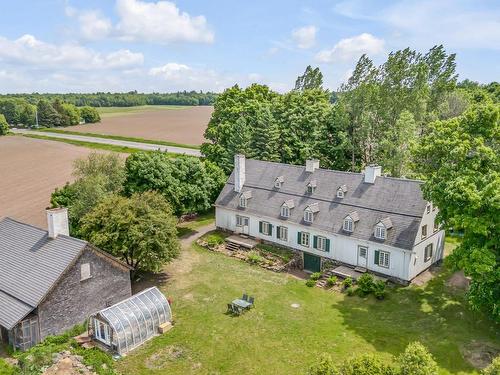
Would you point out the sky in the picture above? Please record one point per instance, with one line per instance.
(165, 46)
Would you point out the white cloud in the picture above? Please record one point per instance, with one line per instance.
(92, 24)
(29, 51)
(305, 37)
(423, 23)
(350, 49)
(160, 22)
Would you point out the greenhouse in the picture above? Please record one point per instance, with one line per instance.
(129, 323)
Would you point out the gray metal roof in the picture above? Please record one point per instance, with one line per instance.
(30, 265)
(399, 199)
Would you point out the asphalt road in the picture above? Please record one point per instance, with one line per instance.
(115, 142)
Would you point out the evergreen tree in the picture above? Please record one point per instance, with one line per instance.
(47, 115)
(4, 126)
(265, 135)
(238, 142)
(311, 79)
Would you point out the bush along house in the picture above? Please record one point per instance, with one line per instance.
(363, 220)
(50, 281)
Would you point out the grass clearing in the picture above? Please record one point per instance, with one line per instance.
(276, 338)
(119, 138)
(189, 227)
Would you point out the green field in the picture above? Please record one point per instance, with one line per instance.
(120, 111)
(275, 338)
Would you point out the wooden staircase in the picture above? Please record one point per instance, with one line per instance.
(322, 283)
(231, 246)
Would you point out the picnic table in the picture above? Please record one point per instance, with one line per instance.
(241, 303)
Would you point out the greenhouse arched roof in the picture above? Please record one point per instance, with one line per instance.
(137, 318)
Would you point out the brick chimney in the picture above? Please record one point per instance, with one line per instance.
(57, 222)
(372, 172)
(239, 172)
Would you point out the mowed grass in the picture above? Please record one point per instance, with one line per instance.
(275, 338)
(189, 227)
(120, 111)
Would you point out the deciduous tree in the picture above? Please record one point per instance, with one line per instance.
(4, 126)
(311, 79)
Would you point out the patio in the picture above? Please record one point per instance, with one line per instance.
(240, 241)
(345, 272)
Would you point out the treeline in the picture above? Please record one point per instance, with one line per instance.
(19, 112)
(376, 117)
(129, 99)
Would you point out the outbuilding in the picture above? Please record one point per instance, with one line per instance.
(129, 323)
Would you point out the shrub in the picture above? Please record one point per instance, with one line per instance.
(350, 291)
(331, 281)
(254, 257)
(4, 127)
(6, 369)
(366, 283)
(325, 366)
(347, 282)
(416, 360)
(315, 276)
(311, 283)
(365, 365)
(379, 289)
(493, 368)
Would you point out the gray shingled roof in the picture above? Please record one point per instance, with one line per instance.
(30, 265)
(399, 199)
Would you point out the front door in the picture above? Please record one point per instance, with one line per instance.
(242, 224)
(102, 331)
(312, 263)
(362, 256)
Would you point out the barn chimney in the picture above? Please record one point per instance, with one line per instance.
(312, 165)
(239, 172)
(372, 172)
(57, 222)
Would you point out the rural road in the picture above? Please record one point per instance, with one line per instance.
(114, 142)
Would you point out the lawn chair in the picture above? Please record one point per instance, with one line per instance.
(230, 308)
(251, 301)
(237, 310)
(245, 297)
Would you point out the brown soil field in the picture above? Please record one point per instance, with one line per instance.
(30, 170)
(183, 125)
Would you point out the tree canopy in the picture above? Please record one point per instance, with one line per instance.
(141, 229)
(460, 161)
(4, 126)
(311, 79)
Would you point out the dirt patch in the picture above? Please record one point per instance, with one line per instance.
(68, 364)
(163, 357)
(458, 280)
(30, 170)
(479, 354)
(186, 125)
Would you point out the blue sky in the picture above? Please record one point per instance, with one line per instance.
(121, 45)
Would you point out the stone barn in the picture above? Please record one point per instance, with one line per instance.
(50, 281)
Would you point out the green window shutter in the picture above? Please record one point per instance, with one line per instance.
(260, 226)
(299, 238)
(270, 229)
(327, 245)
(278, 232)
(377, 256)
(315, 242)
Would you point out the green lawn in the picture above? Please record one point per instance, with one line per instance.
(120, 111)
(275, 338)
(189, 227)
(117, 137)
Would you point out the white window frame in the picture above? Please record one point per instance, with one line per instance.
(380, 232)
(277, 184)
(305, 237)
(428, 257)
(308, 216)
(265, 228)
(240, 221)
(422, 231)
(348, 225)
(384, 259)
(283, 233)
(321, 243)
(243, 202)
(85, 272)
(311, 189)
(436, 226)
(340, 193)
(429, 208)
(285, 211)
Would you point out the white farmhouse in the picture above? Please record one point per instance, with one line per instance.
(363, 220)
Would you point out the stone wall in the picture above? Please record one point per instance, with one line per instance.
(73, 300)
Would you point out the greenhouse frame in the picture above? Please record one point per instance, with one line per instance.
(129, 323)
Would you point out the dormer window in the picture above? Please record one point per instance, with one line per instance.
(381, 228)
(311, 186)
(349, 221)
(348, 224)
(244, 197)
(286, 207)
(279, 182)
(341, 191)
(310, 211)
